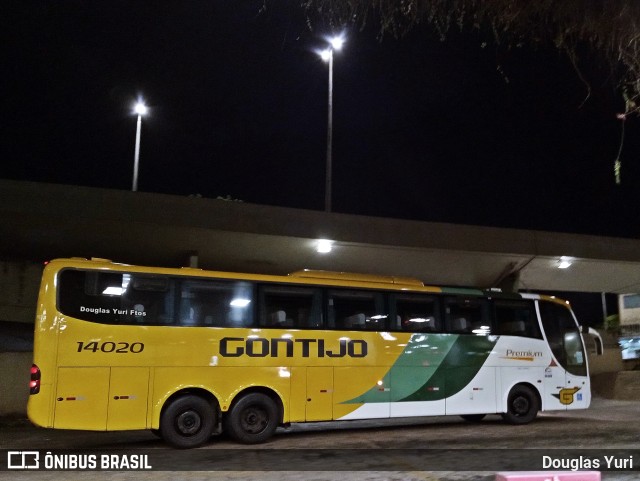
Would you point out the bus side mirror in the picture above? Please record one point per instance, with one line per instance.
(597, 339)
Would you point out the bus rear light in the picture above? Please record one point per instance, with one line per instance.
(34, 384)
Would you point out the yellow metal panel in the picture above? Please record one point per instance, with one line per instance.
(81, 398)
(352, 382)
(319, 402)
(40, 407)
(298, 398)
(128, 391)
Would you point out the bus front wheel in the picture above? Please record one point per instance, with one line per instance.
(187, 422)
(252, 419)
(522, 405)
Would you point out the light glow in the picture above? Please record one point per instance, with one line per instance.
(482, 331)
(113, 291)
(337, 42)
(324, 246)
(240, 302)
(326, 54)
(564, 263)
(140, 108)
(387, 336)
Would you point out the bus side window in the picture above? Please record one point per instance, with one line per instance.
(282, 306)
(216, 303)
(415, 313)
(516, 318)
(467, 316)
(148, 300)
(115, 297)
(357, 310)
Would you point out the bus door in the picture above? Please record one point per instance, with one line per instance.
(99, 398)
(566, 380)
(81, 398)
(319, 403)
(127, 405)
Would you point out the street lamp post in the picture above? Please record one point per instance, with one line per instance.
(140, 109)
(327, 55)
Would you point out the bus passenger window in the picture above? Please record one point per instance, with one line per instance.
(290, 306)
(116, 297)
(216, 303)
(467, 316)
(516, 318)
(357, 310)
(148, 300)
(416, 313)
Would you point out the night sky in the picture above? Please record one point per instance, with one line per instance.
(453, 131)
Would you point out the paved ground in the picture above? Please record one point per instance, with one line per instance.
(363, 450)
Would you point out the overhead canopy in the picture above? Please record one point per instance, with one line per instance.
(44, 221)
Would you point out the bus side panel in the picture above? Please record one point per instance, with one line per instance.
(128, 391)
(298, 399)
(319, 400)
(554, 383)
(350, 382)
(40, 406)
(81, 398)
(580, 393)
(406, 382)
(477, 397)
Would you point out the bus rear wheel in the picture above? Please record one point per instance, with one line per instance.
(252, 419)
(187, 422)
(522, 405)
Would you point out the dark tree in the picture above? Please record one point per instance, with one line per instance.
(605, 30)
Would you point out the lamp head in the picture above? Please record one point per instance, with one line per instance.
(337, 42)
(326, 54)
(140, 108)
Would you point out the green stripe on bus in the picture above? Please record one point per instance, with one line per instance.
(432, 367)
(460, 366)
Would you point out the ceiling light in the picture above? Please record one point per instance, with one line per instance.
(324, 246)
(239, 302)
(564, 262)
(140, 108)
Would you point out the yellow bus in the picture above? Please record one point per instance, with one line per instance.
(190, 353)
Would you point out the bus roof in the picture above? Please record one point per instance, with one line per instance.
(307, 276)
(351, 276)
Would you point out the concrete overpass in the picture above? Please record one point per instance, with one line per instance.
(43, 221)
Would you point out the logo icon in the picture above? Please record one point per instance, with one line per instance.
(566, 395)
(23, 460)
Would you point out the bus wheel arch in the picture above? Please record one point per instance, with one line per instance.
(253, 416)
(188, 418)
(523, 403)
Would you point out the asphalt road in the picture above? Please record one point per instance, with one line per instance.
(425, 449)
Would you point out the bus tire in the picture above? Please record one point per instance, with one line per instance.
(187, 422)
(522, 405)
(473, 418)
(252, 419)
